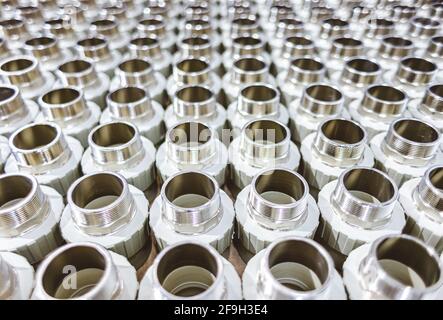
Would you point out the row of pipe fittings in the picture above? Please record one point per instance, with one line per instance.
(306, 134)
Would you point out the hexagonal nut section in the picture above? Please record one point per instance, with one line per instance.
(20, 276)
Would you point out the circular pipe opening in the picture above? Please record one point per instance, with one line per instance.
(250, 64)
(105, 23)
(280, 187)
(397, 42)
(17, 65)
(61, 96)
(343, 131)
(134, 66)
(436, 178)
(419, 65)
(7, 93)
(363, 65)
(386, 93)
(244, 22)
(266, 132)
(11, 23)
(307, 64)
(247, 41)
(324, 93)
(40, 42)
(151, 22)
(14, 189)
(192, 65)
(335, 23)
(187, 270)
(127, 95)
(144, 42)
(91, 42)
(190, 134)
(347, 42)
(75, 66)
(196, 41)
(194, 94)
(299, 41)
(113, 135)
(437, 90)
(416, 131)
(259, 93)
(34, 136)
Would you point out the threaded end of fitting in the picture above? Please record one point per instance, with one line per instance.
(333, 27)
(432, 101)
(430, 192)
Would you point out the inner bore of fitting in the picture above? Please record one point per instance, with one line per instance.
(103, 23)
(201, 24)
(40, 41)
(436, 178)
(348, 42)
(35, 136)
(247, 41)
(426, 22)
(127, 95)
(6, 93)
(91, 42)
(74, 272)
(437, 90)
(13, 189)
(243, 22)
(438, 40)
(146, 41)
(307, 64)
(386, 93)
(408, 262)
(61, 96)
(17, 65)
(342, 131)
(299, 41)
(151, 22)
(324, 93)
(280, 187)
(113, 135)
(134, 66)
(187, 270)
(381, 22)
(363, 65)
(397, 42)
(11, 23)
(290, 22)
(416, 131)
(190, 134)
(56, 22)
(335, 23)
(75, 66)
(194, 94)
(298, 265)
(419, 65)
(190, 190)
(259, 93)
(266, 132)
(195, 41)
(249, 64)
(192, 65)
(97, 191)
(369, 185)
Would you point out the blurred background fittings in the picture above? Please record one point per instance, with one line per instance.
(108, 28)
(430, 107)
(14, 31)
(149, 48)
(293, 47)
(16, 277)
(156, 27)
(341, 50)
(61, 29)
(47, 51)
(4, 152)
(391, 51)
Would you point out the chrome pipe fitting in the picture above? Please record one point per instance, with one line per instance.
(25, 73)
(149, 48)
(330, 29)
(97, 49)
(117, 146)
(29, 217)
(407, 149)
(195, 102)
(192, 145)
(119, 12)
(104, 209)
(294, 47)
(136, 72)
(380, 105)
(76, 13)
(392, 50)
(193, 71)
(156, 27)
(16, 277)
(249, 45)
(276, 203)
(61, 29)
(201, 27)
(14, 31)
(434, 51)
(81, 73)
(341, 50)
(387, 269)
(337, 145)
(134, 105)
(302, 72)
(318, 102)
(358, 208)
(191, 204)
(422, 199)
(292, 268)
(430, 107)
(256, 101)
(421, 29)
(43, 150)
(377, 29)
(190, 270)
(94, 273)
(284, 28)
(47, 51)
(15, 112)
(67, 107)
(108, 28)
(32, 15)
(240, 26)
(263, 143)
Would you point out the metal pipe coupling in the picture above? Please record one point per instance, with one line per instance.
(391, 51)
(61, 29)
(139, 73)
(407, 149)
(191, 205)
(422, 199)
(149, 48)
(29, 217)
(192, 71)
(81, 73)
(190, 270)
(119, 12)
(16, 277)
(109, 29)
(118, 147)
(15, 112)
(245, 45)
(5, 50)
(134, 105)
(276, 204)
(256, 101)
(85, 271)
(197, 27)
(380, 105)
(292, 268)
(103, 208)
(430, 107)
(434, 53)
(47, 51)
(412, 75)
(315, 14)
(301, 73)
(394, 267)
(276, 11)
(245, 24)
(376, 29)
(14, 31)
(318, 102)
(192, 145)
(401, 14)
(294, 47)
(43, 150)
(25, 73)
(263, 143)
(357, 74)
(156, 27)
(195, 102)
(421, 29)
(97, 49)
(78, 14)
(337, 145)
(67, 107)
(282, 29)
(359, 207)
(330, 29)
(342, 49)
(245, 71)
